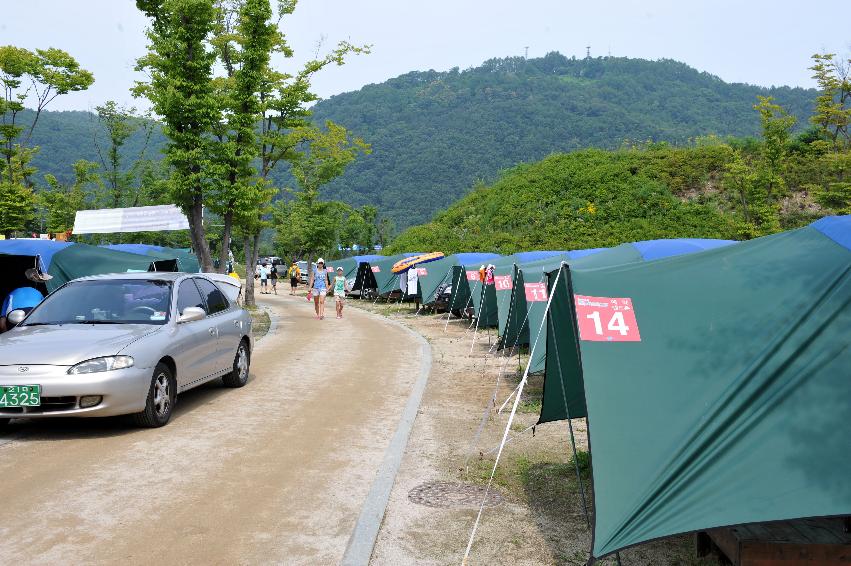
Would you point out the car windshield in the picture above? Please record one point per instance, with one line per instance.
(108, 301)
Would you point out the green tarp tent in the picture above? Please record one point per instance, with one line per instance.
(493, 304)
(180, 259)
(348, 264)
(525, 322)
(385, 280)
(377, 274)
(66, 261)
(717, 384)
(527, 306)
(439, 272)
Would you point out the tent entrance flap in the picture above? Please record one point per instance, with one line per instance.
(13, 268)
(164, 265)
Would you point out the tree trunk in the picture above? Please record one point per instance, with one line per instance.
(198, 234)
(249, 273)
(226, 232)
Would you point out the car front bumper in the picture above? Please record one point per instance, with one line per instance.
(123, 391)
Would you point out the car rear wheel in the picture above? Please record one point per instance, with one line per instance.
(241, 361)
(160, 401)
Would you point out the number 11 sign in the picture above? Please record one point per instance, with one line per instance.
(606, 319)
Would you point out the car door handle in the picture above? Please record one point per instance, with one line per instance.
(213, 331)
(237, 323)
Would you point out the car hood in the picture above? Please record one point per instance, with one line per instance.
(68, 344)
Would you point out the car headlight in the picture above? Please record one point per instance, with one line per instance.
(106, 363)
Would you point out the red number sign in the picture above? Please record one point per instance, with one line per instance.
(536, 292)
(472, 276)
(422, 272)
(502, 282)
(606, 319)
(376, 269)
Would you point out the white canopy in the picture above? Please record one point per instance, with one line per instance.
(138, 219)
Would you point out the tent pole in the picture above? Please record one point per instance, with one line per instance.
(449, 309)
(476, 331)
(569, 420)
(504, 440)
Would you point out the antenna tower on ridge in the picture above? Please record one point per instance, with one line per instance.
(526, 56)
(587, 51)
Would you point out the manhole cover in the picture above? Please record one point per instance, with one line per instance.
(449, 494)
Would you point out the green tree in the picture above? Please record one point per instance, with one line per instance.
(833, 105)
(370, 218)
(776, 128)
(308, 225)
(181, 92)
(37, 77)
(17, 207)
(61, 202)
(245, 39)
(120, 123)
(835, 194)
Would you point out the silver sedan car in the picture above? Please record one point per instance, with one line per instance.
(122, 344)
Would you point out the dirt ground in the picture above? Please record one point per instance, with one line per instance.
(541, 520)
(275, 472)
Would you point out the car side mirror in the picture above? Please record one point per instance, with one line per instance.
(16, 317)
(191, 314)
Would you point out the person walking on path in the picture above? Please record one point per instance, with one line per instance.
(273, 276)
(341, 288)
(264, 280)
(295, 274)
(318, 285)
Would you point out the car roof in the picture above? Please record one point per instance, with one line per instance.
(142, 276)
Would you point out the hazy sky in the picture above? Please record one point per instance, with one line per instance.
(760, 42)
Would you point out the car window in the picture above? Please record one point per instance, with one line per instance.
(188, 296)
(216, 301)
(102, 301)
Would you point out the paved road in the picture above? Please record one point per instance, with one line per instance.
(273, 472)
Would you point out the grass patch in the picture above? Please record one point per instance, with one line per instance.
(529, 406)
(260, 321)
(583, 458)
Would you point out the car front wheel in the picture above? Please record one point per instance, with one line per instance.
(160, 401)
(241, 361)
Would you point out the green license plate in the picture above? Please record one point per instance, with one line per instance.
(20, 395)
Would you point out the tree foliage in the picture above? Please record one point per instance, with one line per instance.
(592, 198)
(180, 88)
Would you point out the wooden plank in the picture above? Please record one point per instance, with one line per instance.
(806, 542)
(727, 542)
(702, 544)
(771, 554)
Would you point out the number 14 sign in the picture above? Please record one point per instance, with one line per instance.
(606, 319)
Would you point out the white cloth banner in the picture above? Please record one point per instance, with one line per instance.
(413, 277)
(138, 219)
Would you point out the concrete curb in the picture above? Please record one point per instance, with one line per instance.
(363, 537)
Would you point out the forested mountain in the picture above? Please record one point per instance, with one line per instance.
(435, 134)
(65, 137)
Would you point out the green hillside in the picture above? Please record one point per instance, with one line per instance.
(435, 134)
(595, 198)
(65, 137)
